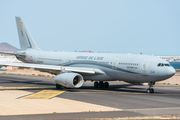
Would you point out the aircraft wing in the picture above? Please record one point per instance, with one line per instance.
(8, 53)
(55, 68)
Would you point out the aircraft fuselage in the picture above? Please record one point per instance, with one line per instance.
(125, 67)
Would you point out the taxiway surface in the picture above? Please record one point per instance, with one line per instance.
(36, 97)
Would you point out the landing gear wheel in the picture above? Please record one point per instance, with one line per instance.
(106, 84)
(101, 85)
(96, 84)
(150, 90)
(58, 86)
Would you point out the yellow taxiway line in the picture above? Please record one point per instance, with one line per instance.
(21, 88)
(45, 94)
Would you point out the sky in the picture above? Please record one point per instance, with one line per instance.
(115, 26)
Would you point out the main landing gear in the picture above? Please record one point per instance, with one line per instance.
(101, 84)
(150, 89)
(58, 86)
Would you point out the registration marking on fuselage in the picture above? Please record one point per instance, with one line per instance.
(45, 94)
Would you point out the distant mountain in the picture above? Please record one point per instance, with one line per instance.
(5, 47)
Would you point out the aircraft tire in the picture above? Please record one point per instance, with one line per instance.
(58, 86)
(96, 84)
(106, 84)
(152, 90)
(148, 90)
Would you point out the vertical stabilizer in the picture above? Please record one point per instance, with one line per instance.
(25, 39)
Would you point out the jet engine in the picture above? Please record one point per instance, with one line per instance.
(69, 80)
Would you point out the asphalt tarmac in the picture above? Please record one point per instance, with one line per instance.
(128, 100)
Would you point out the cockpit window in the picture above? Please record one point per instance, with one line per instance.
(159, 64)
(166, 64)
(163, 64)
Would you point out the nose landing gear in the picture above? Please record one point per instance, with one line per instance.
(101, 84)
(150, 89)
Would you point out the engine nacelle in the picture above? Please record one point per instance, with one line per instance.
(69, 80)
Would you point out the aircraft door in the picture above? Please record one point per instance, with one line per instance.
(145, 69)
(115, 63)
(35, 57)
(64, 61)
(145, 65)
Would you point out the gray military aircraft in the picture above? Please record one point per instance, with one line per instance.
(73, 68)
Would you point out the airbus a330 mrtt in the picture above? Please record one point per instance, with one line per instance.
(73, 68)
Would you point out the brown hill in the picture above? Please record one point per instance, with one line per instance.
(5, 47)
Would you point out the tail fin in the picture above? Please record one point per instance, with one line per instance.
(25, 39)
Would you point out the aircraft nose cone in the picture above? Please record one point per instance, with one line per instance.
(171, 71)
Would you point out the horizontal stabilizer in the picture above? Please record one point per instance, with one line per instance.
(2, 68)
(6, 53)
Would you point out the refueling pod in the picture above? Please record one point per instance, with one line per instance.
(69, 80)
